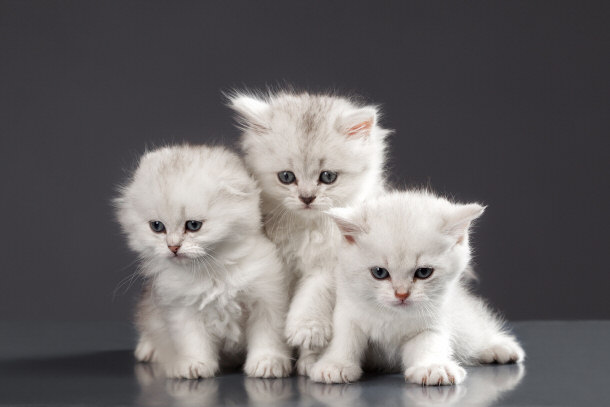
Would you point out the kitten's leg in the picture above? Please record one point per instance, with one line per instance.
(308, 324)
(148, 322)
(481, 336)
(268, 354)
(196, 353)
(502, 348)
(428, 360)
(340, 363)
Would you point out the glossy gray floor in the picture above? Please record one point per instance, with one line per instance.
(91, 364)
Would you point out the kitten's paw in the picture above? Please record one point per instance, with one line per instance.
(507, 351)
(305, 363)
(436, 375)
(191, 369)
(268, 365)
(145, 352)
(309, 335)
(326, 371)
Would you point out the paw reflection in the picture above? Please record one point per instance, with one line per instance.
(226, 389)
(312, 393)
(267, 392)
(192, 392)
(483, 386)
(157, 390)
(432, 395)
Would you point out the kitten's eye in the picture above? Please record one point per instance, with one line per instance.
(328, 177)
(286, 177)
(423, 272)
(156, 226)
(193, 225)
(379, 273)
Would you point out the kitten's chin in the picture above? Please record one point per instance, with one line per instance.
(401, 304)
(182, 259)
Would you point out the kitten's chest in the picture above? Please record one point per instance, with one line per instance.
(218, 303)
(388, 329)
(307, 246)
(223, 314)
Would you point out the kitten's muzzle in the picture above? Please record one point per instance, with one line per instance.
(174, 249)
(307, 199)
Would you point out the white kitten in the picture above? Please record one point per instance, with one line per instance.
(309, 153)
(402, 301)
(214, 282)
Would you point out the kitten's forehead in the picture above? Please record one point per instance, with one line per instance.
(303, 136)
(312, 115)
(308, 134)
(405, 230)
(184, 181)
(172, 197)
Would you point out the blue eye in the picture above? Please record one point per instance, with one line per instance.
(156, 226)
(423, 272)
(193, 225)
(286, 177)
(328, 177)
(379, 273)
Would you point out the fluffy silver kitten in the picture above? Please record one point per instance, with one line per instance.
(309, 153)
(402, 300)
(214, 281)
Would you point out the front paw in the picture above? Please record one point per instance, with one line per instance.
(191, 369)
(309, 334)
(508, 351)
(268, 365)
(326, 371)
(443, 374)
(145, 352)
(306, 361)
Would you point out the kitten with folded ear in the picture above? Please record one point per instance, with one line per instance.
(214, 288)
(309, 153)
(402, 296)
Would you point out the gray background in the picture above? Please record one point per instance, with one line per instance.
(501, 102)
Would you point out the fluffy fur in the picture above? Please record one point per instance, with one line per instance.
(306, 135)
(425, 327)
(223, 291)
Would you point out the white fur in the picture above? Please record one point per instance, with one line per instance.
(225, 292)
(308, 134)
(440, 324)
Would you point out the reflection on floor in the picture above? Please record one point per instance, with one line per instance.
(92, 364)
(485, 385)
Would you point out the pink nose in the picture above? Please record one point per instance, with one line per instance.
(401, 296)
(174, 249)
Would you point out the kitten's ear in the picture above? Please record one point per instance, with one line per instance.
(359, 122)
(459, 219)
(253, 112)
(349, 221)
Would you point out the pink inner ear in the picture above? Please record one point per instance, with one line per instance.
(363, 127)
(350, 239)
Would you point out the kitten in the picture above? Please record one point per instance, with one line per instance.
(214, 282)
(309, 153)
(402, 300)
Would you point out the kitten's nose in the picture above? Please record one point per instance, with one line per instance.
(174, 249)
(307, 199)
(401, 296)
